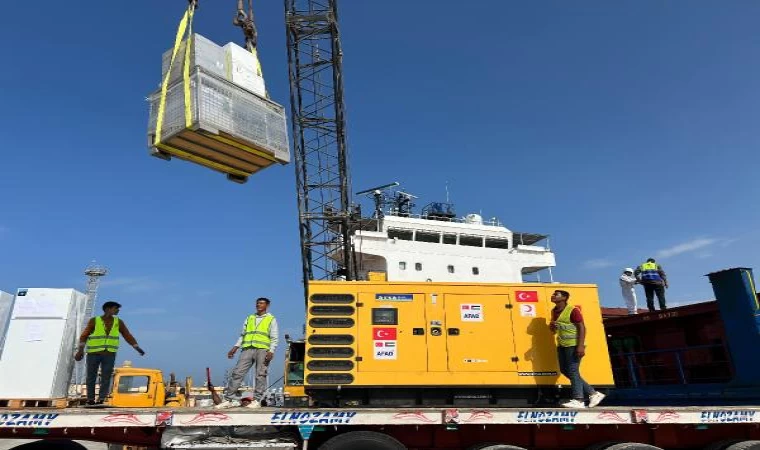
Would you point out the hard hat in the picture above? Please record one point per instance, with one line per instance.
(628, 269)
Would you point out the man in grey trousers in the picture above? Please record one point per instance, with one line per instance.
(258, 339)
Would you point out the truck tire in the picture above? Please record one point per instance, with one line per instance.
(64, 444)
(631, 446)
(493, 446)
(745, 445)
(365, 440)
(721, 445)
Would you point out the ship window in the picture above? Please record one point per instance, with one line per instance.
(497, 243)
(402, 265)
(451, 268)
(475, 271)
(450, 239)
(404, 235)
(471, 241)
(418, 266)
(427, 236)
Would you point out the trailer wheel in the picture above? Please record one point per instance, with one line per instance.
(365, 440)
(493, 446)
(64, 444)
(744, 445)
(631, 446)
(721, 445)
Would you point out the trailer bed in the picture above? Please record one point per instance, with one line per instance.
(188, 417)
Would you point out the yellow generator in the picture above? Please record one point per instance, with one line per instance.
(384, 343)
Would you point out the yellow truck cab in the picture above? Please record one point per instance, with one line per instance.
(143, 388)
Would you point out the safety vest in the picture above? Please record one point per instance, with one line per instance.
(650, 272)
(567, 332)
(99, 341)
(257, 336)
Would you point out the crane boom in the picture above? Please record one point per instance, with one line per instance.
(319, 139)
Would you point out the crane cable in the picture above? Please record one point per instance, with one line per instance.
(244, 20)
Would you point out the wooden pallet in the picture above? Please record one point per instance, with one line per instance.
(21, 403)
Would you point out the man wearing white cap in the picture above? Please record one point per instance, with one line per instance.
(627, 284)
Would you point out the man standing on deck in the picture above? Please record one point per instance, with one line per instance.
(102, 338)
(628, 287)
(652, 277)
(567, 323)
(259, 341)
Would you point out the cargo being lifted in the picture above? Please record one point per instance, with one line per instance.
(212, 108)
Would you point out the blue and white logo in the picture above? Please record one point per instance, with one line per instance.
(394, 297)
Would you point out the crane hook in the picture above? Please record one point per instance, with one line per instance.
(244, 20)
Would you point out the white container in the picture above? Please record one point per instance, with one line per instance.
(204, 53)
(242, 68)
(6, 303)
(38, 357)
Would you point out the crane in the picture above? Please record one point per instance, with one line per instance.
(318, 121)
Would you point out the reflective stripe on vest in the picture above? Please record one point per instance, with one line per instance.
(650, 272)
(99, 341)
(567, 332)
(257, 336)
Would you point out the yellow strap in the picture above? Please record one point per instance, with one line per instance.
(258, 62)
(186, 72)
(183, 25)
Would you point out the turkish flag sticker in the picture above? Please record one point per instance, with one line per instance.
(526, 296)
(384, 334)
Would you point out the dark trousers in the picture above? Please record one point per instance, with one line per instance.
(105, 363)
(570, 366)
(650, 290)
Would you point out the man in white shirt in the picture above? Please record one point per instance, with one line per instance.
(628, 286)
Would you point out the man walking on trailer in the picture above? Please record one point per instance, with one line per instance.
(102, 338)
(567, 323)
(258, 340)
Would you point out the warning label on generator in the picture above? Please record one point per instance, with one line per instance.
(384, 342)
(471, 312)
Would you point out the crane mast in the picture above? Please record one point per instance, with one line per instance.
(319, 139)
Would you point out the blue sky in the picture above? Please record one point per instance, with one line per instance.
(623, 129)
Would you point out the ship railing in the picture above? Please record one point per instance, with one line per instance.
(688, 365)
(494, 222)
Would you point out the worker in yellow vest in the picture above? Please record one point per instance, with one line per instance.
(654, 280)
(258, 339)
(567, 323)
(101, 335)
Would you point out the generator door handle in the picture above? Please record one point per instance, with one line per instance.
(453, 331)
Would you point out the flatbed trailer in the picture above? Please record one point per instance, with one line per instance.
(392, 428)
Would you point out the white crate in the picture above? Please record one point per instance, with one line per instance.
(38, 357)
(204, 53)
(6, 303)
(242, 69)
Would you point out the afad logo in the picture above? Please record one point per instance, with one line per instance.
(526, 296)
